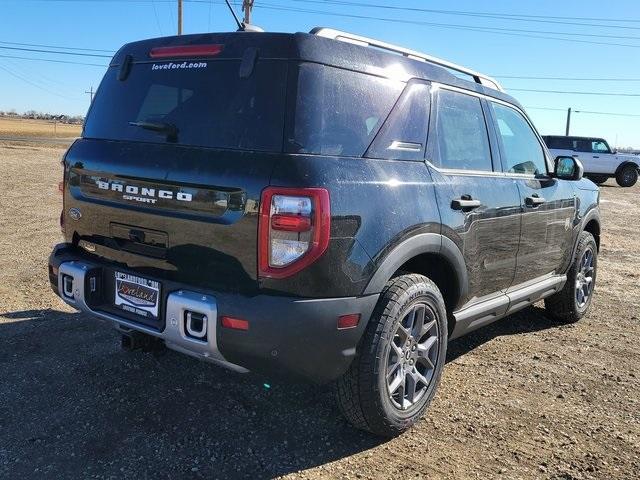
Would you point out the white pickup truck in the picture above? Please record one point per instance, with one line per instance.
(599, 161)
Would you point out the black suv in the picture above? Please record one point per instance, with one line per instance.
(321, 205)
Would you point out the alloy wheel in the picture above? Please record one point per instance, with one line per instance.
(412, 357)
(584, 279)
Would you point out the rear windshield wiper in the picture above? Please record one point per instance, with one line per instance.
(168, 129)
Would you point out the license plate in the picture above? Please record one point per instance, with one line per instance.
(137, 295)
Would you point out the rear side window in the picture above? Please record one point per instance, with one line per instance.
(521, 150)
(583, 145)
(461, 131)
(403, 136)
(209, 104)
(559, 143)
(338, 112)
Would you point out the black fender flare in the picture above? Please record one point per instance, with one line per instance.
(624, 164)
(414, 246)
(592, 214)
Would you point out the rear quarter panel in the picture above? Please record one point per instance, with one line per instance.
(375, 205)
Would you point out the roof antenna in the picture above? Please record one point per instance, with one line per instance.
(235, 17)
(242, 26)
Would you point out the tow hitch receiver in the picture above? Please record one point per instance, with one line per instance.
(195, 325)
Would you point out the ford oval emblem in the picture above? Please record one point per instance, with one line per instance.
(75, 213)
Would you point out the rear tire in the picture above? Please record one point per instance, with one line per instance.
(572, 302)
(598, 179)
(628, 176)
(399, 361)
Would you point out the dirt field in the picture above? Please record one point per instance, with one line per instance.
(523, 398)
(17, 127)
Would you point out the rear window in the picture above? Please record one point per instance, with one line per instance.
(338, 112)
(208, 102)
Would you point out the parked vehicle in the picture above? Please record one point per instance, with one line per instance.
(599, 160)
(320, 205)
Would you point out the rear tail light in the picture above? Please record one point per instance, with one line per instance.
(293, 231)
(186, 51)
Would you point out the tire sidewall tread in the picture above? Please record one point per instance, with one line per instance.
(562, 306)
(364, 384)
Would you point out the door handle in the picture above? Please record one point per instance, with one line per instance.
(534, 200)
(465, 203)
(596, 156)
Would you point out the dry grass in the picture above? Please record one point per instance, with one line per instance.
(18, 127)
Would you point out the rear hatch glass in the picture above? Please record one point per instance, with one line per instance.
(206, 101)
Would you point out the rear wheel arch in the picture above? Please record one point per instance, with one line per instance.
(593, 227)
(625, 164)
(432, 255)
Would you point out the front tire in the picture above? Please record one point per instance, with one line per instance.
(572, 302)
(399, 362)
(628, 176)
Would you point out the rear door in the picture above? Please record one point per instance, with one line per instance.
(583, 151)
(479, 206)
(549, 204)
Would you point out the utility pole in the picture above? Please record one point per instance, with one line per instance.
(568, 121)
(90, 92)
(247, 5)
(179, 17)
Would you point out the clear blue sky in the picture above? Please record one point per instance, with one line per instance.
(107, 24)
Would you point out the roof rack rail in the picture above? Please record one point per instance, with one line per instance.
(479, 78)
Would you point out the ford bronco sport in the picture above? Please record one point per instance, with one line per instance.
(600, 162)
(321, 205)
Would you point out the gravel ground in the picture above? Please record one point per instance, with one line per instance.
(523, 398)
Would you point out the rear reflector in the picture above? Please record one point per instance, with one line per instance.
(348, 321)
(235, 323)
(186, 51)
(291, 223)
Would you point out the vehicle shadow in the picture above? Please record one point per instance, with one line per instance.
(73, 404)
(531, 319)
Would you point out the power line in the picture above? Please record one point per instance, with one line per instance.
(499, 16)
(3, 42)
(541, 34)
(578, 79)
(551, 19)
(606, 94)
(155, 11)
(54, 61)
(607, 113)
(24, 79)
(53, 51)
(493, 30)
(584, 111)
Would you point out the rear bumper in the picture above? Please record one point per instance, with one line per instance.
(286, 336)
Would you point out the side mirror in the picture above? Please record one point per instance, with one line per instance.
(568, 168)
